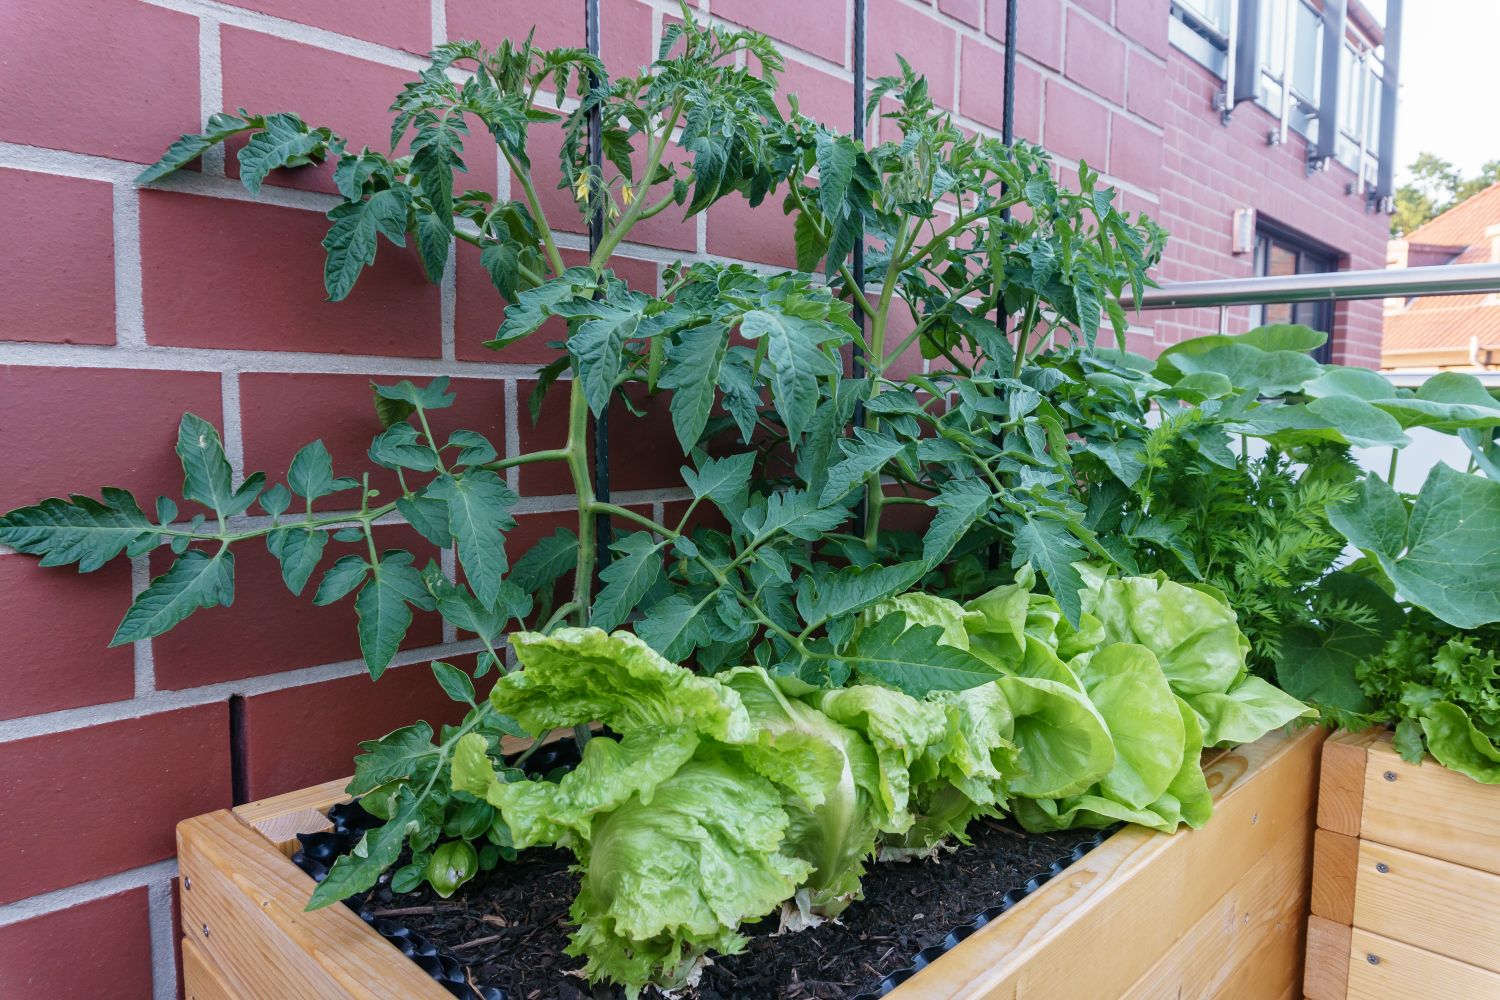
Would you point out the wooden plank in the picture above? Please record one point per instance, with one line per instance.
(1409, 973)
(1341, 781)
(1249, 942)
(201, 980)
(1436, 905)
(242, 903)
(1326, 972)
(280, 818)
(1335, 870)
(1430, 810)
(1083, 934)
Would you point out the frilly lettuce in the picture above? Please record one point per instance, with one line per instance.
(830, 780)
(670, 878)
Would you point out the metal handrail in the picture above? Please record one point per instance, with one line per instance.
(1332, 286)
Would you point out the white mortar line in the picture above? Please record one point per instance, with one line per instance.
(200, 359)
(439, 22)
(512, 424)
(163, 941)
(130, 323)
(141, 650)
(295, 31)
(166, 701)
(234, 433)
(210, 88)
(87, 892)
(448, 302)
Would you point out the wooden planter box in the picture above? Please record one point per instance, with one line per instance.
(1406, 878)
(1216, 912)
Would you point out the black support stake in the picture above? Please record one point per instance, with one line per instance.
(857, 263)
(603, 530)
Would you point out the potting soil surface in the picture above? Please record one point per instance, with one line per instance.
(510, 926)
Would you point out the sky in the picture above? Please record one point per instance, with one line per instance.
(1449, 76)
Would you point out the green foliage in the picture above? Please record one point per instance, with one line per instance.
(857, 689)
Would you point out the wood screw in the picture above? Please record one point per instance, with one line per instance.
(1390, 776)
(205, 930)
(1373, 959)
(1382, 867)
(187, 883)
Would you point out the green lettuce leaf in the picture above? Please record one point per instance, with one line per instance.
(1251, 708)
(1127, 686)
(899, 727)
(830, 779)
(581, 675)
(1453, 739)
(668, 880)
(1063, 744)
(1191, 631)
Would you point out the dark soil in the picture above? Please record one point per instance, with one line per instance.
(510, 928)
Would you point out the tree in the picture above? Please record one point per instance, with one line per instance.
(1435, 186)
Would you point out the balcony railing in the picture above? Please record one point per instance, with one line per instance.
(1329, 286)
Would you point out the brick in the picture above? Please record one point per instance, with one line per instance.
(1095, 58)
(763, 235)
(351, 96)
(480, 308)
(625, 40)
(57, 276)
(672, 229)
(644, 452)
(282, 412)
(399, 24)
(821, 29)
(493, 21)
(1145, 21)
(120, 430)
(966, 11)
(58, 626)
(263, 288)
(821, 96)
(225, 644)
(303, 735)
(543, 147)
(142, 59)
(118, 788)
(1102, 9)
(1145, 87)
(1075, 126)
(982, 90)
(1134, 153)
(107, 943)
(926, 42)
(1038, 29)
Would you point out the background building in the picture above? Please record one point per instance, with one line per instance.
(1427, 333)
(120, 308)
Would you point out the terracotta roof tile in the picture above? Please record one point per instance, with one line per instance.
(1464, 224)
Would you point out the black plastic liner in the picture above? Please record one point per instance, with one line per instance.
(933, 952)
(350, 821)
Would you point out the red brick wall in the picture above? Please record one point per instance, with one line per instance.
(120, 308)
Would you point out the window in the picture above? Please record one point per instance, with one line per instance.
(1279, 253)
(1291, 40)
(1360, 91)
(1272, 53)
(1201, 28)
